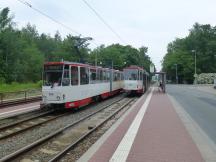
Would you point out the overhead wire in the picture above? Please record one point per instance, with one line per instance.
(52, 19)
(104, 22)
(49, 17)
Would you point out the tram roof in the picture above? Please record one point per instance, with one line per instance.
(134, 67)
(77, 64)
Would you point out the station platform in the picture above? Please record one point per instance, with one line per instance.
(151, 131)
(18, 109)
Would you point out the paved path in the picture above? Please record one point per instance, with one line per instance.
(160, 137)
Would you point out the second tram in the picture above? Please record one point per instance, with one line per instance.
(136, 79)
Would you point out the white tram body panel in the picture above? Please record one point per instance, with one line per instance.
(78, 84)
(133, 85)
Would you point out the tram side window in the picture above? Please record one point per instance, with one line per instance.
(84, 75)
(101, 75)
(98, 75)
(74, 75)
(66, 78)
(104, 75)
(141, 75)
(115, 76)
(92, 76)
(107, 76)
(144, 77)
(118, 76)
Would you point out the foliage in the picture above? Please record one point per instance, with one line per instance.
(23, 51)
(121, 56)
(14, 87)
(202, 41)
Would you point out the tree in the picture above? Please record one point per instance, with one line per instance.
(5, 19)
(23, 51)
(121, 56)
(202, 39)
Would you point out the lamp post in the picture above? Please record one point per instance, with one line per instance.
(176, 65)
(96, 59)
(195, 73)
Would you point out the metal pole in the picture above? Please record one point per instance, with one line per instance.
(176, 73)
(96, 59)
(164, 82)
(111, 76)
(195, 71)
(195, 62)
(195, 68)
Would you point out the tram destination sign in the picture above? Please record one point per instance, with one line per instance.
(53, 67)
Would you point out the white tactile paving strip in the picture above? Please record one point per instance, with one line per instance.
(123, 149)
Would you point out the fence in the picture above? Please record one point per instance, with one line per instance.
(19, 96)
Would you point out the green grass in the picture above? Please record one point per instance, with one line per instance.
(15, 87)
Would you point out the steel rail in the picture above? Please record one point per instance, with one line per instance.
(48, 137)
(24, 120)
(31, 126)
(63, 152)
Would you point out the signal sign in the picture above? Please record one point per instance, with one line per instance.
(152, 68)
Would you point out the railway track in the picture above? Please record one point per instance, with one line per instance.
(4, 121)
(28, 123)
(55, 145)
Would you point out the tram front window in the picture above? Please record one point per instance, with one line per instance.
(53, 75)
(131, 74)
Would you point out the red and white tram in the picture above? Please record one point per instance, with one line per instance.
(74, 85)
(136, 79)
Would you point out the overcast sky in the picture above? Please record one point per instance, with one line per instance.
(151, 23)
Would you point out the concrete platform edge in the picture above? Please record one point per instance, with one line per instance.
(205, 145)
(12, 114)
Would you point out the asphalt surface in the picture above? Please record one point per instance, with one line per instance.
(200, 105)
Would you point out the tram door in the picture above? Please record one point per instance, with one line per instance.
(111, 79)
(144, 82)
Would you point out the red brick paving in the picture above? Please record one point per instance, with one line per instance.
(161, 136)
(109, 146)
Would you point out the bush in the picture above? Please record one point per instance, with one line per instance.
(14, 86)
(2, 80)
(40, 83)
(206, 78)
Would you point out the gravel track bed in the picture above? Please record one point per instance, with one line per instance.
(44, 152)
(10, 145)
(82, 147)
